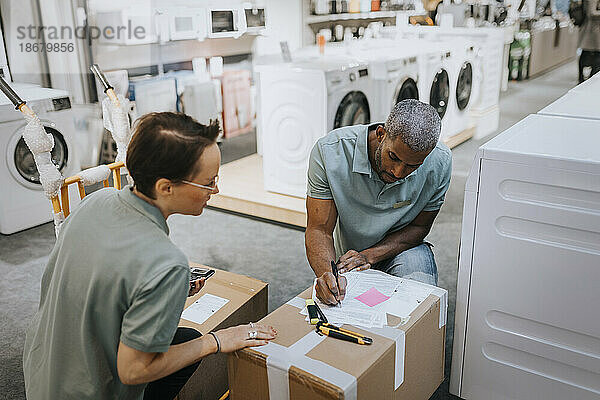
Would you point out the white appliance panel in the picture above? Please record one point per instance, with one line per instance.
(578, 104)
(529, 265)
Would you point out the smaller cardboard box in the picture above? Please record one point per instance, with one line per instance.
(405, 361)
(247, 303)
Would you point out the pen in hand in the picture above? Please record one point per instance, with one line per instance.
(334, 269)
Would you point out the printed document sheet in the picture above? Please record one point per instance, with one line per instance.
(203, 308)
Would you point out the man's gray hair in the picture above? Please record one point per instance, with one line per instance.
(416, 123)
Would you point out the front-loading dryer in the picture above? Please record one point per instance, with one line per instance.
(23, 203)
(299, 103)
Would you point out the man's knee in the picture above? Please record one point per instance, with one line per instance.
(417, 263)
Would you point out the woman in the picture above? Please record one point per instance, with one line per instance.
(115, 285)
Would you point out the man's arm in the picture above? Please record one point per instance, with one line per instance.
(393, 244)
(321, 219)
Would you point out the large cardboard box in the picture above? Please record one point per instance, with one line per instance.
(405, 361)
(247, 303)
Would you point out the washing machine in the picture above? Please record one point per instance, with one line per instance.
(299, 103)
(394, 71)
(465, 74)
(435, 83)
(23, 203)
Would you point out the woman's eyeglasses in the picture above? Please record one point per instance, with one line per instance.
(212, 188)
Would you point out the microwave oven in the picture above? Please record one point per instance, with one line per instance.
(226, 22)
(128, 26)
(256, 20)
(187, 23)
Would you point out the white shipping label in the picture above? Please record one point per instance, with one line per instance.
(203, 308)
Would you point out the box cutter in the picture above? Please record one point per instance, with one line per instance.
(316, 317)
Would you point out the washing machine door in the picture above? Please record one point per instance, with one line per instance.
(24, 164)
(408, 90)
(353, 110)
(464, 86)
(440, 92)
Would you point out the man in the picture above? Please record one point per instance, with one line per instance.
(380, 188)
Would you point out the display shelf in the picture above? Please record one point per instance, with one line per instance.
(317, 19)
(459, 138)
(241, 190)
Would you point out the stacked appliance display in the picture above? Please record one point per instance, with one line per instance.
(302, 101)
(528, 265)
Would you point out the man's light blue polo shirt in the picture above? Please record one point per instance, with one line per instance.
(368, 209)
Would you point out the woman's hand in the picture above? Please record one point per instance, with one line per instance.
(239, 337)
(195, 286)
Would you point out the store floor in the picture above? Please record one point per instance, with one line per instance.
(269, 252)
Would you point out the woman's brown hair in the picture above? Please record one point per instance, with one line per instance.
(167, 145)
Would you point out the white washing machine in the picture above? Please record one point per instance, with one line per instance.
(484, 111)
(23, 203)
(435, 83)
(526, 323)
(393, 69)
(299, 103)
(466, 79)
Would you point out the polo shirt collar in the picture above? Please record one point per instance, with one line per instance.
(146, 209)
(360, 162)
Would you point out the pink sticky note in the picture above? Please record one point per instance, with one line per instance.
(372, 297)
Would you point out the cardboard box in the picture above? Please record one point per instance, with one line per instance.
(404, 362)
(247, 303)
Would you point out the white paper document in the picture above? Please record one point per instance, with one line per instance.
(203, 308)
(354, 312)
(405, 295)
(409, 294)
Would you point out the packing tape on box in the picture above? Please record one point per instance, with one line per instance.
(297, 302)
(443, 295)
(397, 335)
(281, 358)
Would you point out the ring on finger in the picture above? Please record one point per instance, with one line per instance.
(252, 334)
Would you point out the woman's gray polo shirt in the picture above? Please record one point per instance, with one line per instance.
(113, 275)
(368, 209)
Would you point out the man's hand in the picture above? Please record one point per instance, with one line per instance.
(195, 286)
(353, 261)
(328, 290)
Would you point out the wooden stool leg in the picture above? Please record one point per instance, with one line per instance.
(117, 178)
(55, 204)
(81, 190)
(64, 196)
